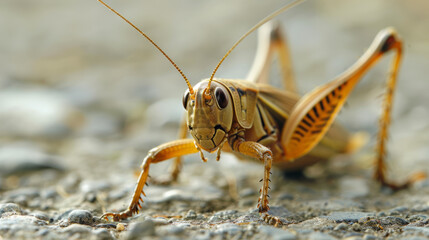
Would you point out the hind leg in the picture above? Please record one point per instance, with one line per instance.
(271, 40)
(316, 111)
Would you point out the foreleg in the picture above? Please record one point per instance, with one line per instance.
(161, 153)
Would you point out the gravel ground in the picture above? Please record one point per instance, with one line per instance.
(83, 98)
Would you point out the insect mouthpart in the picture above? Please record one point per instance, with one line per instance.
(208, 138)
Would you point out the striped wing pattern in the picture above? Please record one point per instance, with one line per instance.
(312, 118)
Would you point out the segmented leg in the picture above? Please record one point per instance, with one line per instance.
(316, 111)
(263, 154)
(271, 40)
(380, 171)
(161, 153)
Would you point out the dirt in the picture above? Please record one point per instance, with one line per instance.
(83, 98)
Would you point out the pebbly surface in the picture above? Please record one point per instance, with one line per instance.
(83, 98)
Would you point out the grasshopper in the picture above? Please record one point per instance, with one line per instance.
(276, 127)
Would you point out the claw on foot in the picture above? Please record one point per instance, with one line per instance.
(115, 217)
(108, 217)
(272, 220)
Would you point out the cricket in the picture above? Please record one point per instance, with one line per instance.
(277, 127)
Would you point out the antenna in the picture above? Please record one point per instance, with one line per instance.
(191, 90)
(260, 23)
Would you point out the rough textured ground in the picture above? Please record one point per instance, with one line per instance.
(83, 98)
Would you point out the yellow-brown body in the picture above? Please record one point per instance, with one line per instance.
(259, 114)
(273, 126)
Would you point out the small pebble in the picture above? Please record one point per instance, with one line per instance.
(171, 220)
(62, 217)
(120, 227)
(10, 208)
(191, 215)
(356, 227)
(41, 216)
(341, 226)
(81, 217)
(251, 227)
(214, 219)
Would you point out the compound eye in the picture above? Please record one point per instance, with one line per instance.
(221, 99)
(185, 98)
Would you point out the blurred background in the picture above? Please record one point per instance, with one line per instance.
(82, 91)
